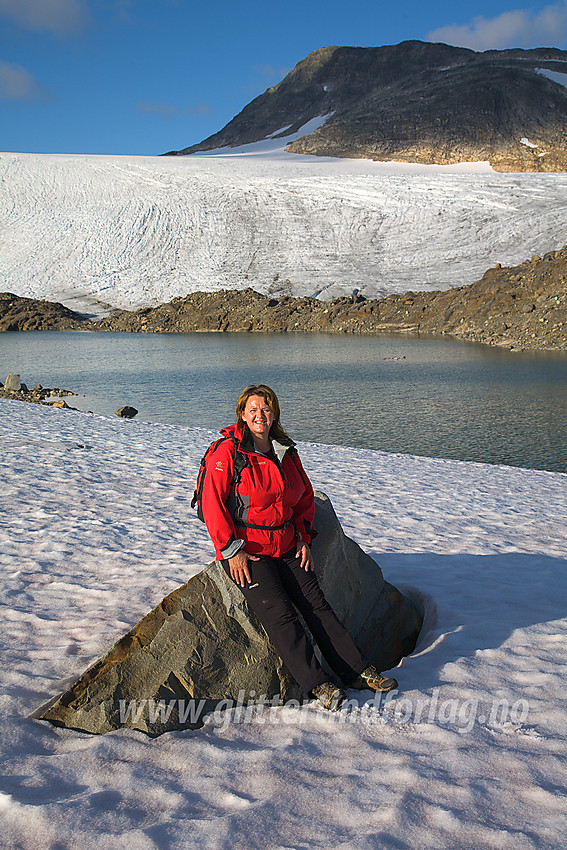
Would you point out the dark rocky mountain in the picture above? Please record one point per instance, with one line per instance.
(417, 102)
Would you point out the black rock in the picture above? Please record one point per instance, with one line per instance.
(127, 412)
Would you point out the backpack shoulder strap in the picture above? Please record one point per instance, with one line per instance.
(239, 463)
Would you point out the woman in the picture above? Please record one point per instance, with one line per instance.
(262, 528)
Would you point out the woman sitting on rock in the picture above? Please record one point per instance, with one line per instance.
(261, 528)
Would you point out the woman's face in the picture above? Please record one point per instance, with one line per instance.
(258, 416)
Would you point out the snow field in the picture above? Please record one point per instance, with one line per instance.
(94, 231)
(96, 527)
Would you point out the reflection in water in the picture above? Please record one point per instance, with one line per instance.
(395, 393)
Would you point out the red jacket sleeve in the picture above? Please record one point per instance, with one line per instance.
(304, 511)
(216, 490)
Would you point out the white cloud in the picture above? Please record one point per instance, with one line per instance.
(164, 110)
(518, 28)
(18, 84)
(167, 110)
(270, 73)
(64, 17)
(201, 109)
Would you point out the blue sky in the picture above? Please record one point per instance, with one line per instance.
(144, 77)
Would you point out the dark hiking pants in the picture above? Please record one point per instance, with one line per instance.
(276, 586)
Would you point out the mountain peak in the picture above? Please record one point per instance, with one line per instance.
(417, 102)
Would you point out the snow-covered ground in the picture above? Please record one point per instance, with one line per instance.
(128, 231)
(470, 753)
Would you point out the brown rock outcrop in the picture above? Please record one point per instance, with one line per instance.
(519, 307)
(30, 314)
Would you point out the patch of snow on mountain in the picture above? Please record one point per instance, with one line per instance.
(278, 132)
(269, 145)
(556, 76)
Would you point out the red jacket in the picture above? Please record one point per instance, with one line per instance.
(268, 493)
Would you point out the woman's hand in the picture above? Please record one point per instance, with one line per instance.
(238, 566)
(304, 552)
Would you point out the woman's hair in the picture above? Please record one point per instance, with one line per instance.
(271, 400)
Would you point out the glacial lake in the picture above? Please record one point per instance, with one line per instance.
(431, 397)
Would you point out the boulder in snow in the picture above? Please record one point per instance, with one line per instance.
(202, 648)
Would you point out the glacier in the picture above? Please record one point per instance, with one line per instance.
(100, 232)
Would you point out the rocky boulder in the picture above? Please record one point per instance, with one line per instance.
(13, 388)
(202, 648)
(13, 383)
(127, 412)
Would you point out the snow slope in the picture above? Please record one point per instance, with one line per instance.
(95, 527)
(92, 231)
(556, 76)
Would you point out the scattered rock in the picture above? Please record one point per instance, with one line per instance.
(58, 391)
(12, 382)
(39, 394)
(202, 646)
(127, 412)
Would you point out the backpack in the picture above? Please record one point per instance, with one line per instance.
(240, 462)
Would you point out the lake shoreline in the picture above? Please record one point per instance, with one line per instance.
(520, 308)
(428, 397)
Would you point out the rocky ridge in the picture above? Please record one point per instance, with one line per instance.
(416, 102)
(523, 307)
(30, 314)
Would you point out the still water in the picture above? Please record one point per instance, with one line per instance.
(421, 396)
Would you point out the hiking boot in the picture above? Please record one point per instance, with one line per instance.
(371, 678)
(329, 695)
